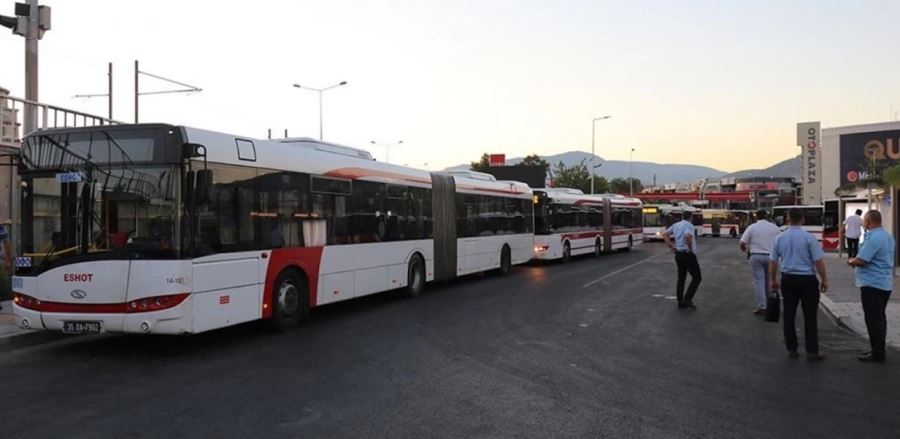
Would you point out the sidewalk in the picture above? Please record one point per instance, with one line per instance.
(842, 301)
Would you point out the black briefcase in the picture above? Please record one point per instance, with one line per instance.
(773, 308)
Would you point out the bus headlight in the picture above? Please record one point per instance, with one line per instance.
(541, 248)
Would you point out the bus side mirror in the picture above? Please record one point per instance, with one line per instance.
(204, 183)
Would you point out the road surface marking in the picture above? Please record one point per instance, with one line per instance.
(627, 267)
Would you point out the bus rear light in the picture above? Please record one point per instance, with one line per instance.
(26, 302)
(156, 303)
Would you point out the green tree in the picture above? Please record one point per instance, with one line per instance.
(601, 185)
(482, 165)
(620, 185)
(575, 176)
(534, 160)
(891, 176)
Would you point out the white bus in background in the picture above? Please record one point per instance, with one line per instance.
(813, 218)
(166, 229)
(569, 223)
(658, 218)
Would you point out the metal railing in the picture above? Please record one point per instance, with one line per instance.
(13, 110)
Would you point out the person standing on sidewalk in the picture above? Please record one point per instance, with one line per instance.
(797, 255)
(853, 226)
(7, 253)
(758, 240)
(685, 249)
(875, 279)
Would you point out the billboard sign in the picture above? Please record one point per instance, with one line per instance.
(808, 137)
(865, 152)
(757, 187)
(498, 159)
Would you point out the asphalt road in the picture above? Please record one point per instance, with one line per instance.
(592, 348)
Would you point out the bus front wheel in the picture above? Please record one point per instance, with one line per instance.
(290, 302)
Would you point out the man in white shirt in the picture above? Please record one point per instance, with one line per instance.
(852, 231)
(758, 240)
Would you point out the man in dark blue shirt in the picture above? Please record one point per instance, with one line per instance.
(797, 255)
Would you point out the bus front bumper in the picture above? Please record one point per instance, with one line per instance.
(175, 320)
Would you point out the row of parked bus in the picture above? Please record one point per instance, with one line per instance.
(818, 220)
(708, 222)
(156, 228)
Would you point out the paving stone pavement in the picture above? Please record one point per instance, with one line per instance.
(843, 304)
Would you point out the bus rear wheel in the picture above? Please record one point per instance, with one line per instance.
(290, 304)
(415, 281)
(505, 260)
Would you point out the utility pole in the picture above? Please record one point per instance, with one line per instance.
(320, 91)
(30, 21)
(593, 132)
(387, 148)
(138, 93)
(109, 92)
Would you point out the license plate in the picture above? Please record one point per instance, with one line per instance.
(82, 327)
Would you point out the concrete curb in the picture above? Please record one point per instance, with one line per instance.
(841, 318)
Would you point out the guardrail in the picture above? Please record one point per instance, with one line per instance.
(13, 109)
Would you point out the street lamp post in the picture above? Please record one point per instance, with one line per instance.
(320, 90)
(593, 132)
(387, 148)
(631, 173)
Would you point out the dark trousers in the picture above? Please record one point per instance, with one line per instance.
(874, 302)
(802, 290)
(852, 247)
(687, 263)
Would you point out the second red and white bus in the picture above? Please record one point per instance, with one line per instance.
(570, 223)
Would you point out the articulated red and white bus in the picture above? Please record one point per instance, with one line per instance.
(813, 218)
(166, 229)
(568, 223)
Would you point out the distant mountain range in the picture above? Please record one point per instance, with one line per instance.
(663, 173)
(786, 168)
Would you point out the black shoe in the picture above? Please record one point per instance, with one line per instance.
(793, 354)
(870, 357)
(814, 357)
(690, 305)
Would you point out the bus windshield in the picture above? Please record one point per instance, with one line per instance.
(652, 217)
(95, 195)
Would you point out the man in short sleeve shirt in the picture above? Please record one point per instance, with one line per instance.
(797, 255)
(853, 226)
(875, 279)
(685, 249)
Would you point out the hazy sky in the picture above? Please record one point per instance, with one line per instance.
(719, 83)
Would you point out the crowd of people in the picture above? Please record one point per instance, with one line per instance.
(788, 267)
